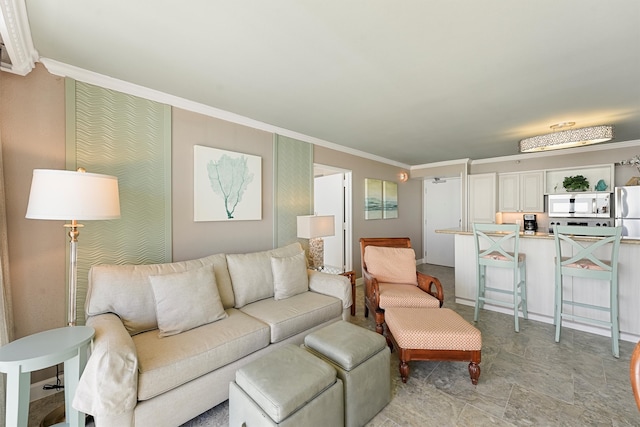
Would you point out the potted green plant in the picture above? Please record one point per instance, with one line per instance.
(575, 183)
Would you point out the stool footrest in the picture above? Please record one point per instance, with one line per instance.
(585, 305)
(586, 319)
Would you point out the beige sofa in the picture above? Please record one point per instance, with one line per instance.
(169, 337)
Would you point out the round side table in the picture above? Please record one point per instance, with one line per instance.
(38, 351)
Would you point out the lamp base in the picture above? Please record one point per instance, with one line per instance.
(316, 253)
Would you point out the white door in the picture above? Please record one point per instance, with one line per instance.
(442, 210)
(329, 199)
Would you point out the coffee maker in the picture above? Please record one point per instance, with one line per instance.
(530, 224)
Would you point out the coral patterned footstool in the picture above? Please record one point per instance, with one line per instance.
(433, 334)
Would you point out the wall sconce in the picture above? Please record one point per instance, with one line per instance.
(404, 176)
(314, 228)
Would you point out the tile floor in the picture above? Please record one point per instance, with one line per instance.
(527, 379)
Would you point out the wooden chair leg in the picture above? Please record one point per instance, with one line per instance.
(474, 372)
(404, 370)
(380, 322)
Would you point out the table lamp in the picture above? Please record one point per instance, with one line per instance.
(314, 228)
(73, 196)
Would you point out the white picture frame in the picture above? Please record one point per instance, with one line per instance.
(227, 186)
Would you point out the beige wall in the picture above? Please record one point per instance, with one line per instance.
(197, 239)
(32, 122)
(33, 137)
(408, 223)
(191, 239)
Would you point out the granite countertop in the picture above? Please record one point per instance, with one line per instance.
(536, 235)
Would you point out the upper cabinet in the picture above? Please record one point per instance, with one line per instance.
(482, 198)
(521, 192)
(555, 177)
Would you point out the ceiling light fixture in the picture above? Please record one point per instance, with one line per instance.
(566, 138)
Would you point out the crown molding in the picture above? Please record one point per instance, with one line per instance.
(555, 153)
(16, 35)
(465, 161)
(86, 76)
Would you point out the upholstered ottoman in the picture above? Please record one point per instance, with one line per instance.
(287, 387)
(433, 334)
(361, 358)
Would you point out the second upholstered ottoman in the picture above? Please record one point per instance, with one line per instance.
(362, 360)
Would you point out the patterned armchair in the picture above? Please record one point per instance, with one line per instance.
(391, 280)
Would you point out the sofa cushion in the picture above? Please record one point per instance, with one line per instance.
(251, 275)
(186, 300)
(290, 316)
(165, 363)
(289, 275)
(125, 290)
(391, 265)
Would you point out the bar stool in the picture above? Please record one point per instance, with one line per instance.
(498, 246)
(578, 258)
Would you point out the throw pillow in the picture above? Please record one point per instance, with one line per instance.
(391, 265)
(186, 300)
(289, 276)
(251, 277)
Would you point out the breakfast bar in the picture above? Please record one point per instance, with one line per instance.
(540, 251)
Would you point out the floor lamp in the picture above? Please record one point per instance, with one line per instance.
(73, 196)
(314, 228)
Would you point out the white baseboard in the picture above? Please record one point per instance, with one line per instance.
(593, 329)
(37, 392)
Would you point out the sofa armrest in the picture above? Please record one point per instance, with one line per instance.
(109, 384)
(333, 285)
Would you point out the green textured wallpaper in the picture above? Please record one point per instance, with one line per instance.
(293, 186)
(117, 134)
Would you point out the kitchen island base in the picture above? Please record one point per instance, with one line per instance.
(540, 252)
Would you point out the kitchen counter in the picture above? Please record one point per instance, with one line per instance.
(537, 235)
(540, 251)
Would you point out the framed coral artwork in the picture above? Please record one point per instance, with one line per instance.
(227, 186)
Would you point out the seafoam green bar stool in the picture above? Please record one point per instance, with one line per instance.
(498, 246)
(577, 258)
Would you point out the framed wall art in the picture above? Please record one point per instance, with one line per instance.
(389, 200)
(372, 198)
(227, 186)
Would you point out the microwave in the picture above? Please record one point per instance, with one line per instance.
(580, 205)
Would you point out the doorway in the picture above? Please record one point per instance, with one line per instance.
(442, 204)
(332, 196)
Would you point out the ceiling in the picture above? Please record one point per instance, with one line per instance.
(414, 82)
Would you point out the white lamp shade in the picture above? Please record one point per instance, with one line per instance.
(69, 195)
(312, 226)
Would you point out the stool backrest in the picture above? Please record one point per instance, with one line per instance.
(494, 243)
(578, 256)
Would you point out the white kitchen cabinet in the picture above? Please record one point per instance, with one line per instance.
(482, 198)
(521, 192)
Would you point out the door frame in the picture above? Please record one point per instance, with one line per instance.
(348, 210)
